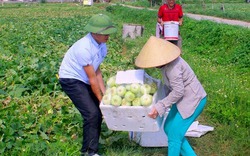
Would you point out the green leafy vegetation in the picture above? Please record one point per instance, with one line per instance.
(230, 9)
(237, 11)
(37, 118)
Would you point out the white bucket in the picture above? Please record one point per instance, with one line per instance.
(171, 30)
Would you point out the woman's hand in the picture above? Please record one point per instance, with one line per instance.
(159, 20)
(153, 114)
(180, 21)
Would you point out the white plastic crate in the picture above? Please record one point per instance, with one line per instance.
(129, 118)
(133, 118)
(87, 2)
(151, 139)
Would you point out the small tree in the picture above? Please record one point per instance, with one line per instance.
(43, 1)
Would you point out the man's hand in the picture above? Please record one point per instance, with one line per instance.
(153, 114)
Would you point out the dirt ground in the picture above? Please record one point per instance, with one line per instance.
(219, 20)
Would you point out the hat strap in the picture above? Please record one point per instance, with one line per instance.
(104, 29)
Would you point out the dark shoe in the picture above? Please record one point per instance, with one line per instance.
(90, 154)
(94, 154)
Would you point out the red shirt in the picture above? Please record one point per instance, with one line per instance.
(167, 14)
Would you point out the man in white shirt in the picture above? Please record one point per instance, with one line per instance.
(81, 78)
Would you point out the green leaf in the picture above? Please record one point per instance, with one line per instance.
(43, 135)
(17, 92)
(2, 92)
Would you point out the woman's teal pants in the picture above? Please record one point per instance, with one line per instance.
(176, 127)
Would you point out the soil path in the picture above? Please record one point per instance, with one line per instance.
(203, 17)
(219, 20)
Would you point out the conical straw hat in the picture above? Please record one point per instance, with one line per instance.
(156, 52)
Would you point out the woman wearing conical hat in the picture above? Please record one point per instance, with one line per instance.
(186, 96)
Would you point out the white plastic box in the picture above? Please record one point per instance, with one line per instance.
(133, 118)
(87, 2)
(151, 139)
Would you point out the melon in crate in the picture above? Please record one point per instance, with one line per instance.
(125, 107)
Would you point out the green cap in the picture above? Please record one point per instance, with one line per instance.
(100, 24)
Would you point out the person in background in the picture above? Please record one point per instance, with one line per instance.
(186, 97)
(81, 78)
(170, 11)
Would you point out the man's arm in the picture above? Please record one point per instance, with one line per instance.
(93, 80)
(100, 80)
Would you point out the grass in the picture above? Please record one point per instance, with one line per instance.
(237, 10)
(43, 121)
